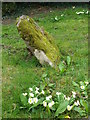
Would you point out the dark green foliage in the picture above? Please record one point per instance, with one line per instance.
(9, 7)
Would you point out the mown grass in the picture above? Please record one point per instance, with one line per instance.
(21, 71)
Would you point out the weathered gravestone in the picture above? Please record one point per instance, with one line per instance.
(38, 41)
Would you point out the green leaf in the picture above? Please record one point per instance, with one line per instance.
(48, 109)
(68, 60)
(71, 100)
(61, 98)
(42, 86)
(61, 67)
(62, 116)
(44, 75)
(75, 84)
(79, 110)
(23, 99)
(84, 103)
(62, 107)
(53, 108)
(85, 93)
(22, 107)
(51, 84)
(82, 83)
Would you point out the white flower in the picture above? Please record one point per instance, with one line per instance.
(73, 7)
(65, 97)
(74, 96)
(58, 93)
(86, 97)
(51, 104)
(74, 93)
(30, 100)
(30, 89)
(37, 88)
(36, 92)
(69, 107)
(50, 11)
(87, 83)
(35, 100)
(78, 13)
(31, 94)
(62, 15)
(68, 98)
(44, 103)
(48, 98)
(24, 94)
(87, 12)
(77, 103)
(83, 93)
(82, 87)
(42, 92)
(56, 18)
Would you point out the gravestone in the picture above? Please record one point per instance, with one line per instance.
(38, 41)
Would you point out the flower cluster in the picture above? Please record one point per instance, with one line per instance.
(48, 101)
(37, 96)
(33, 95)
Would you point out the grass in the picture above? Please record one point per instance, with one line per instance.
(21, 71)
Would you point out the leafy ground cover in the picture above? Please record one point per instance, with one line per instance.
(22, 71)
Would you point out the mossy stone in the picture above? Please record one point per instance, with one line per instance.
(38, 38)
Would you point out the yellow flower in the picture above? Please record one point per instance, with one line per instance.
(67, 117)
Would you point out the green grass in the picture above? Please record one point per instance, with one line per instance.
(20, 71)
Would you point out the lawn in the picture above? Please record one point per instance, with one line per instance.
(21, 71)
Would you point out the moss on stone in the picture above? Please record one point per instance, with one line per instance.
(38, 38)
